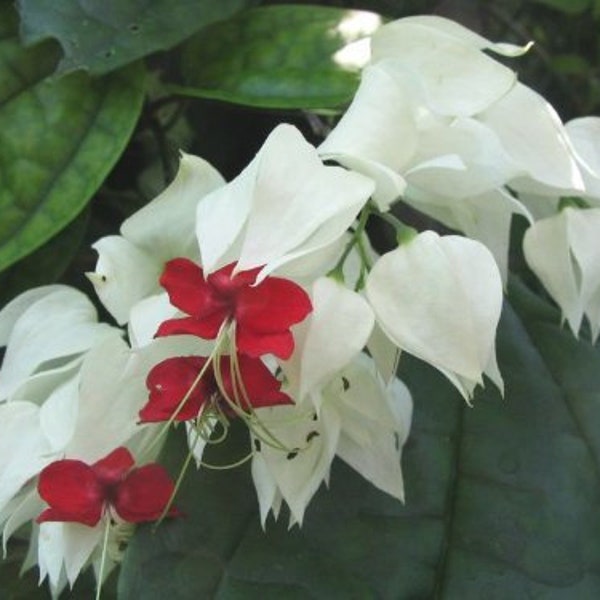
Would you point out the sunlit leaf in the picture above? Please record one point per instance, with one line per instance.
(280, 57)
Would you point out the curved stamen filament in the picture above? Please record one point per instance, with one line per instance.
(213, 356)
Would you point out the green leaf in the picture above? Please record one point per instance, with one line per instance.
(103, 35)
(503, 499)
(46, 264)
(571, 7)
(59, 138)
(279, 57)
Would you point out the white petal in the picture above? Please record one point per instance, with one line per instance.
(165, 226)
(58, 414)
(300, 474)
(51, 552)
(124, 275)
(80, 541)
(547, 252)
(375, 425)
(61, 324)
(336, 331)
(10, 313)
(377, 135)
(325, 240)
(283, 199)
(457, 78)
(534, 136)
(584, 232)
(265, 486)
(24, 450)
(487, 165)
(29, 506)
(295, 197)
(486, 218)
(584, 134)
(385, 353)
(39, 386)
(439, 298)
(222, 215)
(104, 398)
(461, 33)
(146, 316)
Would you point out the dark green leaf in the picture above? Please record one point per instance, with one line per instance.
(279, 57)
(46, 264)
(503, 499)
(58, 139)
(572, 7)
(103, 35)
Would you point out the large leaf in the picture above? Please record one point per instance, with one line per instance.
(102, 35)
(572, 7)
(47, 264)
(58, 139)
(503, 499)
(280, 57)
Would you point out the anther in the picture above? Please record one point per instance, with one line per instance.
(312, 435)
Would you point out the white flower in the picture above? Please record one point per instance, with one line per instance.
(563, 251)
(375, 423)
(454, 76)
(584, 134)
(335, 332)
(359, 419)
(285, 206)
(129, 265)
(440, 298)
(294, 472)
(445, 127)
(45, 327)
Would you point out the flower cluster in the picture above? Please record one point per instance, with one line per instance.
(261, 299)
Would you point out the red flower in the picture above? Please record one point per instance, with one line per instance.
(263, 313)
(170, 381)
(80, 493)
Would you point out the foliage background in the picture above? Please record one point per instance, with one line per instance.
(503, 500)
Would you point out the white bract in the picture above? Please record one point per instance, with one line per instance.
(445, 127)
(285, 206)
(440, 298)
(329, 339)
(129, 265)
(72, 388)
(358, 418)
(44, 328)
(563, 251)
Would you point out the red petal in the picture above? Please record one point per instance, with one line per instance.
(261, 387)
(207, 328)
(169, 382)
(255, 344)
(113, 467)
(227, 286)
(73, 492)
(272, 306)
(144, 494)
(188, 290)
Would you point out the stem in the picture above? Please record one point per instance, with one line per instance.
(404, 233)
(103, 557)
(337, 271)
